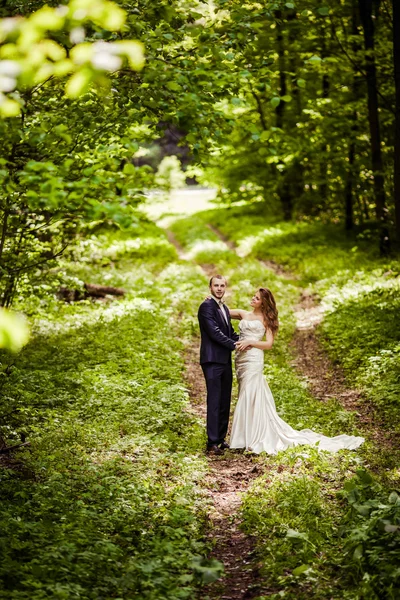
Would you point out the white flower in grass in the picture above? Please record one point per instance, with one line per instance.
(77, 35)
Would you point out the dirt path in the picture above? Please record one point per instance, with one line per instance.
(327, 380)
(229, 476)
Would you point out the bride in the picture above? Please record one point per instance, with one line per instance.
(256, 424)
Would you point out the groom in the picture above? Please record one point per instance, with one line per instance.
(217, 342)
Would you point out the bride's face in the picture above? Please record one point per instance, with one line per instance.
(255, 302)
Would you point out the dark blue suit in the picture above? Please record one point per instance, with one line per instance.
(217, 342)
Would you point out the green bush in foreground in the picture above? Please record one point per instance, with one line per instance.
(308, 544)
(372, 537)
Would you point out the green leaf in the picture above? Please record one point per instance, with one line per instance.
(358, 552)
(364, 477)
(10, 108)
(134, 51)
(275, 101)
(289, 5)
(47, 18)
(294, 535)
(324, 10)
(301, 83)
(78, 83)
(172, 85)
(265, 135)
(129, 169)
(286, 98)
(112, 17)
(300, 570)
(314, 59)
(14, 332)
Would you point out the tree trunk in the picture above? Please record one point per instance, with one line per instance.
(4, 230)
(396, 57)
(349, 191)
(350, 179)
(323, 167)
(366, 15)
(282, 75)
(284, 187)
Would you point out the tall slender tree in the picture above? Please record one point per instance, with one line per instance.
(366, 8)
(396, 60)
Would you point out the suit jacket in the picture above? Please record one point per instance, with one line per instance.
(217, 334)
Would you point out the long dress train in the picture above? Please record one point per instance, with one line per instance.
(256, 424)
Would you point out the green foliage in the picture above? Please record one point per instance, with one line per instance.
(367, 328)
(295, 514)
(372, 536)
(36, 48)
(105, 503)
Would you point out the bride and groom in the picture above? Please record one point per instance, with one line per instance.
(256, 424)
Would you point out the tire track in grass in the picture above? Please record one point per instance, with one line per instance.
(327, 380)
(230, 476)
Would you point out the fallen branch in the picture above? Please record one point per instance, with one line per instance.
(10, 448)
(99, 291)
(92, 290)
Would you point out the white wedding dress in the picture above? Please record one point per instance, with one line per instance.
(256, 424)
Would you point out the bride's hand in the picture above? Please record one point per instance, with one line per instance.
(244, 345)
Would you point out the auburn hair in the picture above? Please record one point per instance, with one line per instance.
(269, 310)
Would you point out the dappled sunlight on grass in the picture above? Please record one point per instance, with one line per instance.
(359, 285)
(205, 249)
(90, 314)
(247, 244)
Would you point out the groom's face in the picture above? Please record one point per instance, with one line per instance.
(218, 288)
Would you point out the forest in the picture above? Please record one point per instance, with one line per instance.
(147, 146)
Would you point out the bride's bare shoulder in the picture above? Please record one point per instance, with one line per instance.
(236, 313)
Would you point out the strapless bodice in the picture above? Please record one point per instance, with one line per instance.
(251, 330)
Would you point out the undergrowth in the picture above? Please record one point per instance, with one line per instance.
(106, 501)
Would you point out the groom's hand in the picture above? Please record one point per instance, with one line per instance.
(243, 345)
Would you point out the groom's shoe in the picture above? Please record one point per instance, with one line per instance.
(224, 446)
(214, 449)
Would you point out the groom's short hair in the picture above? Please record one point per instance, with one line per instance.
(217, 277)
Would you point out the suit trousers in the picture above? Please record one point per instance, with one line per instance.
(219, 389)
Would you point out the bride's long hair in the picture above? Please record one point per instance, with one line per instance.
(269, 310)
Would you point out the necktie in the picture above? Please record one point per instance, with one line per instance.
(221, 306)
